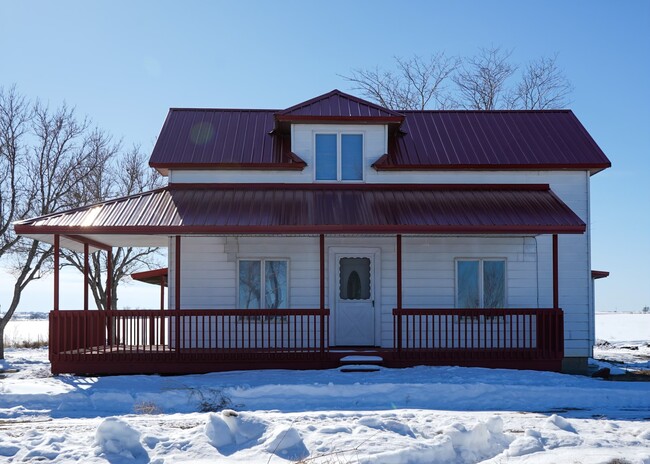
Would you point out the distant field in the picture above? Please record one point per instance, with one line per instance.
(623, 327)
(613, 327)
(18, 332)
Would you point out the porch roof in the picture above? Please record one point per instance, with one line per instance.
(153, 276)
(182, 209)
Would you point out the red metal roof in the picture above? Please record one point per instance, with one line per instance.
(599, 274)
(492, 140)
(154, 276)
(222, 138)
(336, 105)
(254, 139)
(319, 208)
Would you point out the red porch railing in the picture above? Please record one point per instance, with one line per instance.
(519, 338)
(192, 341)
(147, 341)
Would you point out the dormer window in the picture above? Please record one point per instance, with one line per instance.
(339, 156)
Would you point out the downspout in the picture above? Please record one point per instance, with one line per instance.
(591, 313)
(556, 279)
(399, 294)
(321, 249)
(177, 294)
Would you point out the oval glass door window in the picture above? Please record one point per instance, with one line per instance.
(354, 279)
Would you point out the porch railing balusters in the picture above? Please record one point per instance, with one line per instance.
(462, 336)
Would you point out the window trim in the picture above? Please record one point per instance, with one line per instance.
(262, 260)
(339, 154)
(481, 280)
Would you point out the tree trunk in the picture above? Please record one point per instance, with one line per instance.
(2, 339)
(29, 272)
(4, 320)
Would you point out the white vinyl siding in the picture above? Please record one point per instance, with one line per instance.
(209, 270)
(428, 265)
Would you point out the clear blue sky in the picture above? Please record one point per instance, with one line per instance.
(124, 63)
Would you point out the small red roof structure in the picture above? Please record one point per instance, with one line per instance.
(339, 106)
(599, 274)
(154, 276)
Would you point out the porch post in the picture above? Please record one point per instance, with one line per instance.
(556, 297)
(399, 294)
(322, 294)
(109, 279)
(177, 293)
(57, 246)
(162, 293)
(86, 266)
(162, 307)
(109, 290)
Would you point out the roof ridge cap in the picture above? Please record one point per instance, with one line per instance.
(559, 110)
(259, 110)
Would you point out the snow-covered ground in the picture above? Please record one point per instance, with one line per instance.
(417, 415)
(623, 327)
(623, 341)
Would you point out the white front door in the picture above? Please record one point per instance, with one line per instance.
(354, 282)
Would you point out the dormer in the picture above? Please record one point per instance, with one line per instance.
(339, 135)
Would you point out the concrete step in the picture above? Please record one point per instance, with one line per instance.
(360, 368)
(362, 359)
(358, 362)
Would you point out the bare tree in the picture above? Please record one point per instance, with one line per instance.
(486, 81)
(481, 80)
(543, 86)
(50, 161)
(417, 84)
(118, 176)
(15, 200)
(44, 154)
(15, 116)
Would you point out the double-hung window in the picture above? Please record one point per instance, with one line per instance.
(339, 156)
(263, 283)
(480, 283)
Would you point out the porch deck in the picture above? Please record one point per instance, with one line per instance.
(200, 341)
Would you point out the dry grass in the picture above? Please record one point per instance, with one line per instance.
(209, 399)
(147, 408)
(13, 341)
(330, 458)
(642, 375)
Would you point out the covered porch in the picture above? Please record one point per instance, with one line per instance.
(142, 341)
(195, 340)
